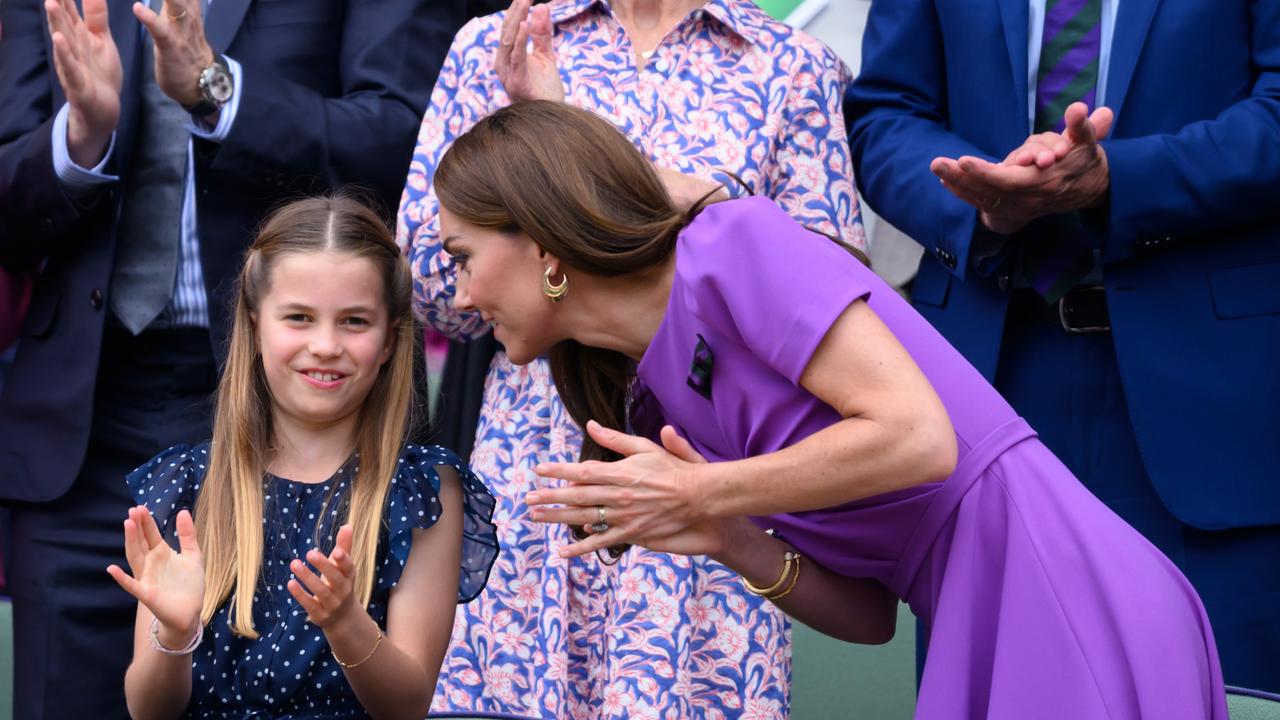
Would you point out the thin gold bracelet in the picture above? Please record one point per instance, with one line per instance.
(366, 657)
(787, 558)
(790, 586)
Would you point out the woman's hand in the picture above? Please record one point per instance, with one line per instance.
(329, 596)
(647, 497)
(170, 584)
(528, 75)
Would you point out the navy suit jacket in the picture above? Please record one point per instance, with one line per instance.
(1190, 240)
(333, 93)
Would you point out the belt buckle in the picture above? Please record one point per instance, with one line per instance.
(1063, 312)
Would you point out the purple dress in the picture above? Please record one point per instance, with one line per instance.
(1038, 601)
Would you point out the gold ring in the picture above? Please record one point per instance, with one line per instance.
(179, 16)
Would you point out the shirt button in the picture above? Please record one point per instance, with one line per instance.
(95, 298)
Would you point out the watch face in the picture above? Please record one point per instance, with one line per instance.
(220, 86)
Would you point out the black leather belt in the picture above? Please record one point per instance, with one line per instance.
(1083, 310)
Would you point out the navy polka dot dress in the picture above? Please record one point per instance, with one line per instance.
(289, 671)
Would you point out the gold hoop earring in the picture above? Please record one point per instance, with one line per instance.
(555, 293)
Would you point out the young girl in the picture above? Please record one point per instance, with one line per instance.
(319, 557)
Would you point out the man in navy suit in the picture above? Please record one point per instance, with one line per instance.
(140, 146)
(1115, 273)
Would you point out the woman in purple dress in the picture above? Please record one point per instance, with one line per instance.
(784, 382)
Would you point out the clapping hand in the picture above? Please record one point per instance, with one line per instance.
(1050, 173)
(181, 50)
(170, 584)
(329, 596)
(528, 75)
(646, 497)
(87, 63)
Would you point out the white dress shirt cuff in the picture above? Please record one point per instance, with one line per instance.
(78, 182)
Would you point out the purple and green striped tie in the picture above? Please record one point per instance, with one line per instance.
(1054, 261)
(1069, 54)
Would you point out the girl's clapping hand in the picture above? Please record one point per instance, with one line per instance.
(170, 584)
(330, 595)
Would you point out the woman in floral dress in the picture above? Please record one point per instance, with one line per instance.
(706, 89)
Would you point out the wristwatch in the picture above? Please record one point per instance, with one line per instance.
(216, 85)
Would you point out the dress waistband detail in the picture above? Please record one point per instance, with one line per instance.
(947, 499)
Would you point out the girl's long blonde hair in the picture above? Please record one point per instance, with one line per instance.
(229, 509)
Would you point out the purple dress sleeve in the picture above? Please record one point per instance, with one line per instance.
(757, 276)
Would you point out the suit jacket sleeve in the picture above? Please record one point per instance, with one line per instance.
(35, 214)
(1209, 175)
(391, 51)
(898, 125)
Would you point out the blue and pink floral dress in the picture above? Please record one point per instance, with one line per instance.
(654, 636)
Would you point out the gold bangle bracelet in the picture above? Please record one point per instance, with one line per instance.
(795, 578)
(366, 657)
(787, 558)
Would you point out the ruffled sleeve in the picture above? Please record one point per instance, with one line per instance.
(169, 482)
(414, 504)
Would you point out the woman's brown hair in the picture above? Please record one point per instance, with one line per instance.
(229, 509)
(599, 206)
(579, 189)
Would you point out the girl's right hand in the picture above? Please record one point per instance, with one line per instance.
(528, 75)
(169, 583)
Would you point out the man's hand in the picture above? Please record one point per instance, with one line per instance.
(88, 67)
(181, 50)
(1048, 174)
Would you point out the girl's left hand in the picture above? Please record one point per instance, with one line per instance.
(649, 494)
(329, 596)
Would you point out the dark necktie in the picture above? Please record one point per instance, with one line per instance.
(1054, 262)
(1069, 55)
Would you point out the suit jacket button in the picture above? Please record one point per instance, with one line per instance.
(95, 299)
(1003, 282)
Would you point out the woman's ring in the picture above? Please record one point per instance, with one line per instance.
(600, 525)
(179, 16)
